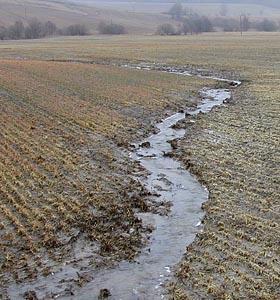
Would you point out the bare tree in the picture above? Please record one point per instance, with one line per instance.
(49, 28)
(111, 28)
(77, 29)
(3, 33)
(267, 25)
(34, 29)
(166, 29)
(206, 24)
(246, 23)
(196, 25)
(177, 11)
(186, 27)
(16, 31)
(228, 25)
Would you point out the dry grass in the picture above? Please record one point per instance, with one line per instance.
(64, 14)
(214, 51)
(235, 153)
(62, 174)
(110, 100)
(234, 150)
(212, 9)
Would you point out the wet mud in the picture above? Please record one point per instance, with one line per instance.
(145, 277)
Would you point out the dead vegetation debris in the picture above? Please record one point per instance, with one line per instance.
(237, 254)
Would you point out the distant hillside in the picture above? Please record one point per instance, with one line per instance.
(271, 3)
(256, 8)
(65, 13)
(138, 16)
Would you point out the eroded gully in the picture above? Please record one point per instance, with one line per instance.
(145, 277)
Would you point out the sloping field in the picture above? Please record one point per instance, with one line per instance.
(65, 182)
(214, 50)
(64, 14)
(234, 151)
(213, 9)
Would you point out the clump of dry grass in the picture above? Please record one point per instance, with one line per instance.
(233, 151)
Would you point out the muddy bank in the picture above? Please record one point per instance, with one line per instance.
(232, 151)
(146, 277)
(186, 71)
(170, 183)
(66, 180)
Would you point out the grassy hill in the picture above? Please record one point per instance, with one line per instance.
(64, 13)
(272, 3)
(235, 8)
(137, 17)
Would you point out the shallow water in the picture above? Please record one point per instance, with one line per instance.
(145, 278)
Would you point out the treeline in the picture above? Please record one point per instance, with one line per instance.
(110, 28)
(232, 24)
(36, 30)
(191, 23)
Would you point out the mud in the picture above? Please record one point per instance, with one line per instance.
(145, 277)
